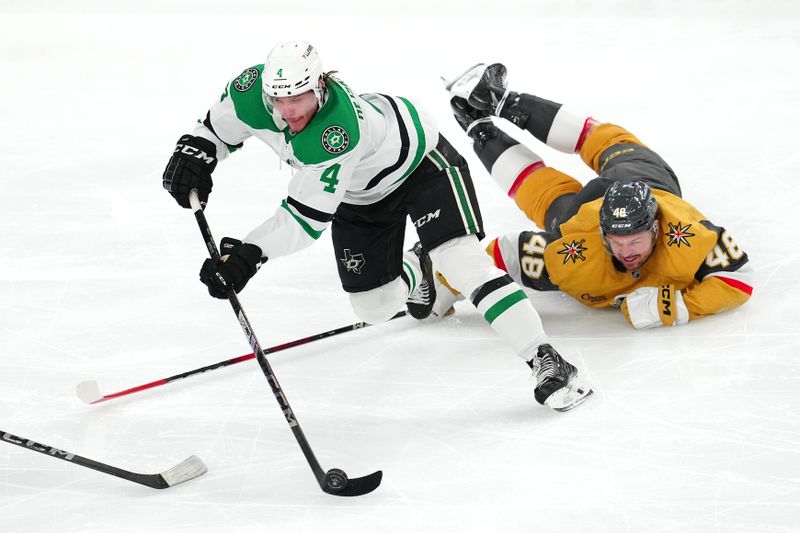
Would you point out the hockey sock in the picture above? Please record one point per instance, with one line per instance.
(502, 302)
(507, 161)
(509, 312)
(548, 121)
(381, 303)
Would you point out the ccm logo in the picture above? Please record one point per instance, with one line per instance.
(427, 218)
(38, 447)
(666, 300)
(194, 152)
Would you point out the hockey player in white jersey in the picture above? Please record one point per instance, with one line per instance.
(363, 163)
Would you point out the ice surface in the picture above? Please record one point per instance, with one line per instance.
(691, 429)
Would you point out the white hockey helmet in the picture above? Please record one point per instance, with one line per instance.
(293, 68)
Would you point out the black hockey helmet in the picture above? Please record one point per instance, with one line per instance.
(628, 208)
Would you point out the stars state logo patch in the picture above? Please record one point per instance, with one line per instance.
(245, 80)
(573, 251)
(679, 234)
(353, 262)
(335, 139)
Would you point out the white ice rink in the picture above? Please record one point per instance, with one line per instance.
(691, 429)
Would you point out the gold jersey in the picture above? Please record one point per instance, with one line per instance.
(692, 254)
(695, 256)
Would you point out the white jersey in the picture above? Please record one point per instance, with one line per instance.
(356, 149)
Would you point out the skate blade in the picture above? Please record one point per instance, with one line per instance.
(569, 397)
(463, 84)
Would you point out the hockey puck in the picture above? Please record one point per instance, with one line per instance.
(335, 479)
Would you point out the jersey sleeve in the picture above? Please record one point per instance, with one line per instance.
(723, 281)
(222, 126)
(314, 194)
(521, 255)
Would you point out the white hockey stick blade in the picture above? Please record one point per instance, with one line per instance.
(88, 391)
(569, 397)
(189, 469)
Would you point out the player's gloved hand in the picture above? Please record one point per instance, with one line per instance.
(467, 116)
(190, 167)
(239, 262)
(651, 307)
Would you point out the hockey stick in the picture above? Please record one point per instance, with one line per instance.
(89, 392)
(334, 481)
(188, 469)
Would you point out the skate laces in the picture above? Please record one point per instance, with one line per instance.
(499, 107)
(546, 364)
(547, 368)
(421, 295)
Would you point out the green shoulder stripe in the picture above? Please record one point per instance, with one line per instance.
(333, 131)
(246, 94)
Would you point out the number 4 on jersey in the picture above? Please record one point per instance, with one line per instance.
(330, 179)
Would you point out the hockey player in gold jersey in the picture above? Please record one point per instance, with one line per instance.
(626, 239)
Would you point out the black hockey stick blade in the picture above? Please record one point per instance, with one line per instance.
(352, 487)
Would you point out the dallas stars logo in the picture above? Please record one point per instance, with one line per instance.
(245, 80)
(679, 234)
(353, 263)
(335, 139)
(573, 251)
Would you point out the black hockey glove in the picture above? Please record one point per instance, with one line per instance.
(239, 263)
(190, 167)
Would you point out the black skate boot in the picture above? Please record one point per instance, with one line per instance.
(476, 123)
(483, 86)
(556, 386)
(420, 302)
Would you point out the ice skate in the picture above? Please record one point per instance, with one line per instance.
(556, 380)
(467, 116)
(482, 86)
(420, 302)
